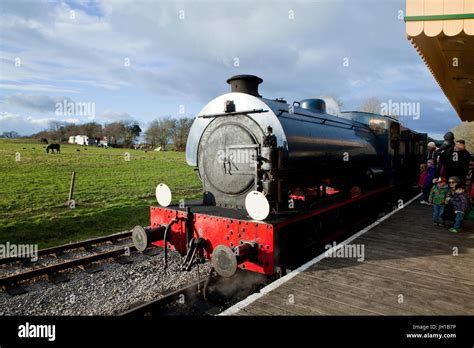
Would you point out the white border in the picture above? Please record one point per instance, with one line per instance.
(272, 286)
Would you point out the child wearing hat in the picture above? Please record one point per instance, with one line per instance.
(438, 197)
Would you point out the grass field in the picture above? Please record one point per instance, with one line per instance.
(111, 194)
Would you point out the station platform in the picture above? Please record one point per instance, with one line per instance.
(409, 267)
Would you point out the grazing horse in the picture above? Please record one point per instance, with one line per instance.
(53, 147)
(44, 140)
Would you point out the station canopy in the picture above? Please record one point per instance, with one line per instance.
(442, 32)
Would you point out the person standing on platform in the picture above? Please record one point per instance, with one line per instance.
(428, 182)
(448, 214)
(470, 179)
(431, 151)
(422, 177)
(460, 161)
(438, 197)
(460, 202)
(444, 155)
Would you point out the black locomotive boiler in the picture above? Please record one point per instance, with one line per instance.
(278, 178)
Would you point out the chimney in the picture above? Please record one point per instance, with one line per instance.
(245, 84)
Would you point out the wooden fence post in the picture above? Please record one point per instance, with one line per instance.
(71, 188)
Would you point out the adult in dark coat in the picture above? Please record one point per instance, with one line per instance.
(460, 162)
(445, 156)
(431, 151)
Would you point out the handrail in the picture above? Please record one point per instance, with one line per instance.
(325, 119)
(254, 111)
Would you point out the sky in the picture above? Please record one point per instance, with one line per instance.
(146, 59)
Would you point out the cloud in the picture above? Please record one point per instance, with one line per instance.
(15, 122)
(37, 88)
(7, 116)
(26, 125)
(169, 55)
(47, 120)
(43, 122)
(142, 54)
(111, 116)
(37, 102)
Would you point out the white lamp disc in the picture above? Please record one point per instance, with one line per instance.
(257, 205)
(163, 195)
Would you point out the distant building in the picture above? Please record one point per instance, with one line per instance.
(83, 140)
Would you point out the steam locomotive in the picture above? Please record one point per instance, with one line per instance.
(278, 178)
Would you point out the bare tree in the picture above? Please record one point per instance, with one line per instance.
(116, 132)
(371, 105)
(91, 129)
(132, 132)
(159, 132)
(58, 130)
(180, 132)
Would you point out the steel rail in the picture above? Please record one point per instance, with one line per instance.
(12, 279)
(70, 246)
(155, 305)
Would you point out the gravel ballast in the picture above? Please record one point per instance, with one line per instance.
(110, 292)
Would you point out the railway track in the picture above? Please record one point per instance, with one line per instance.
(58, 250)
(34, 270)
(156, 307)
(205, 297)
